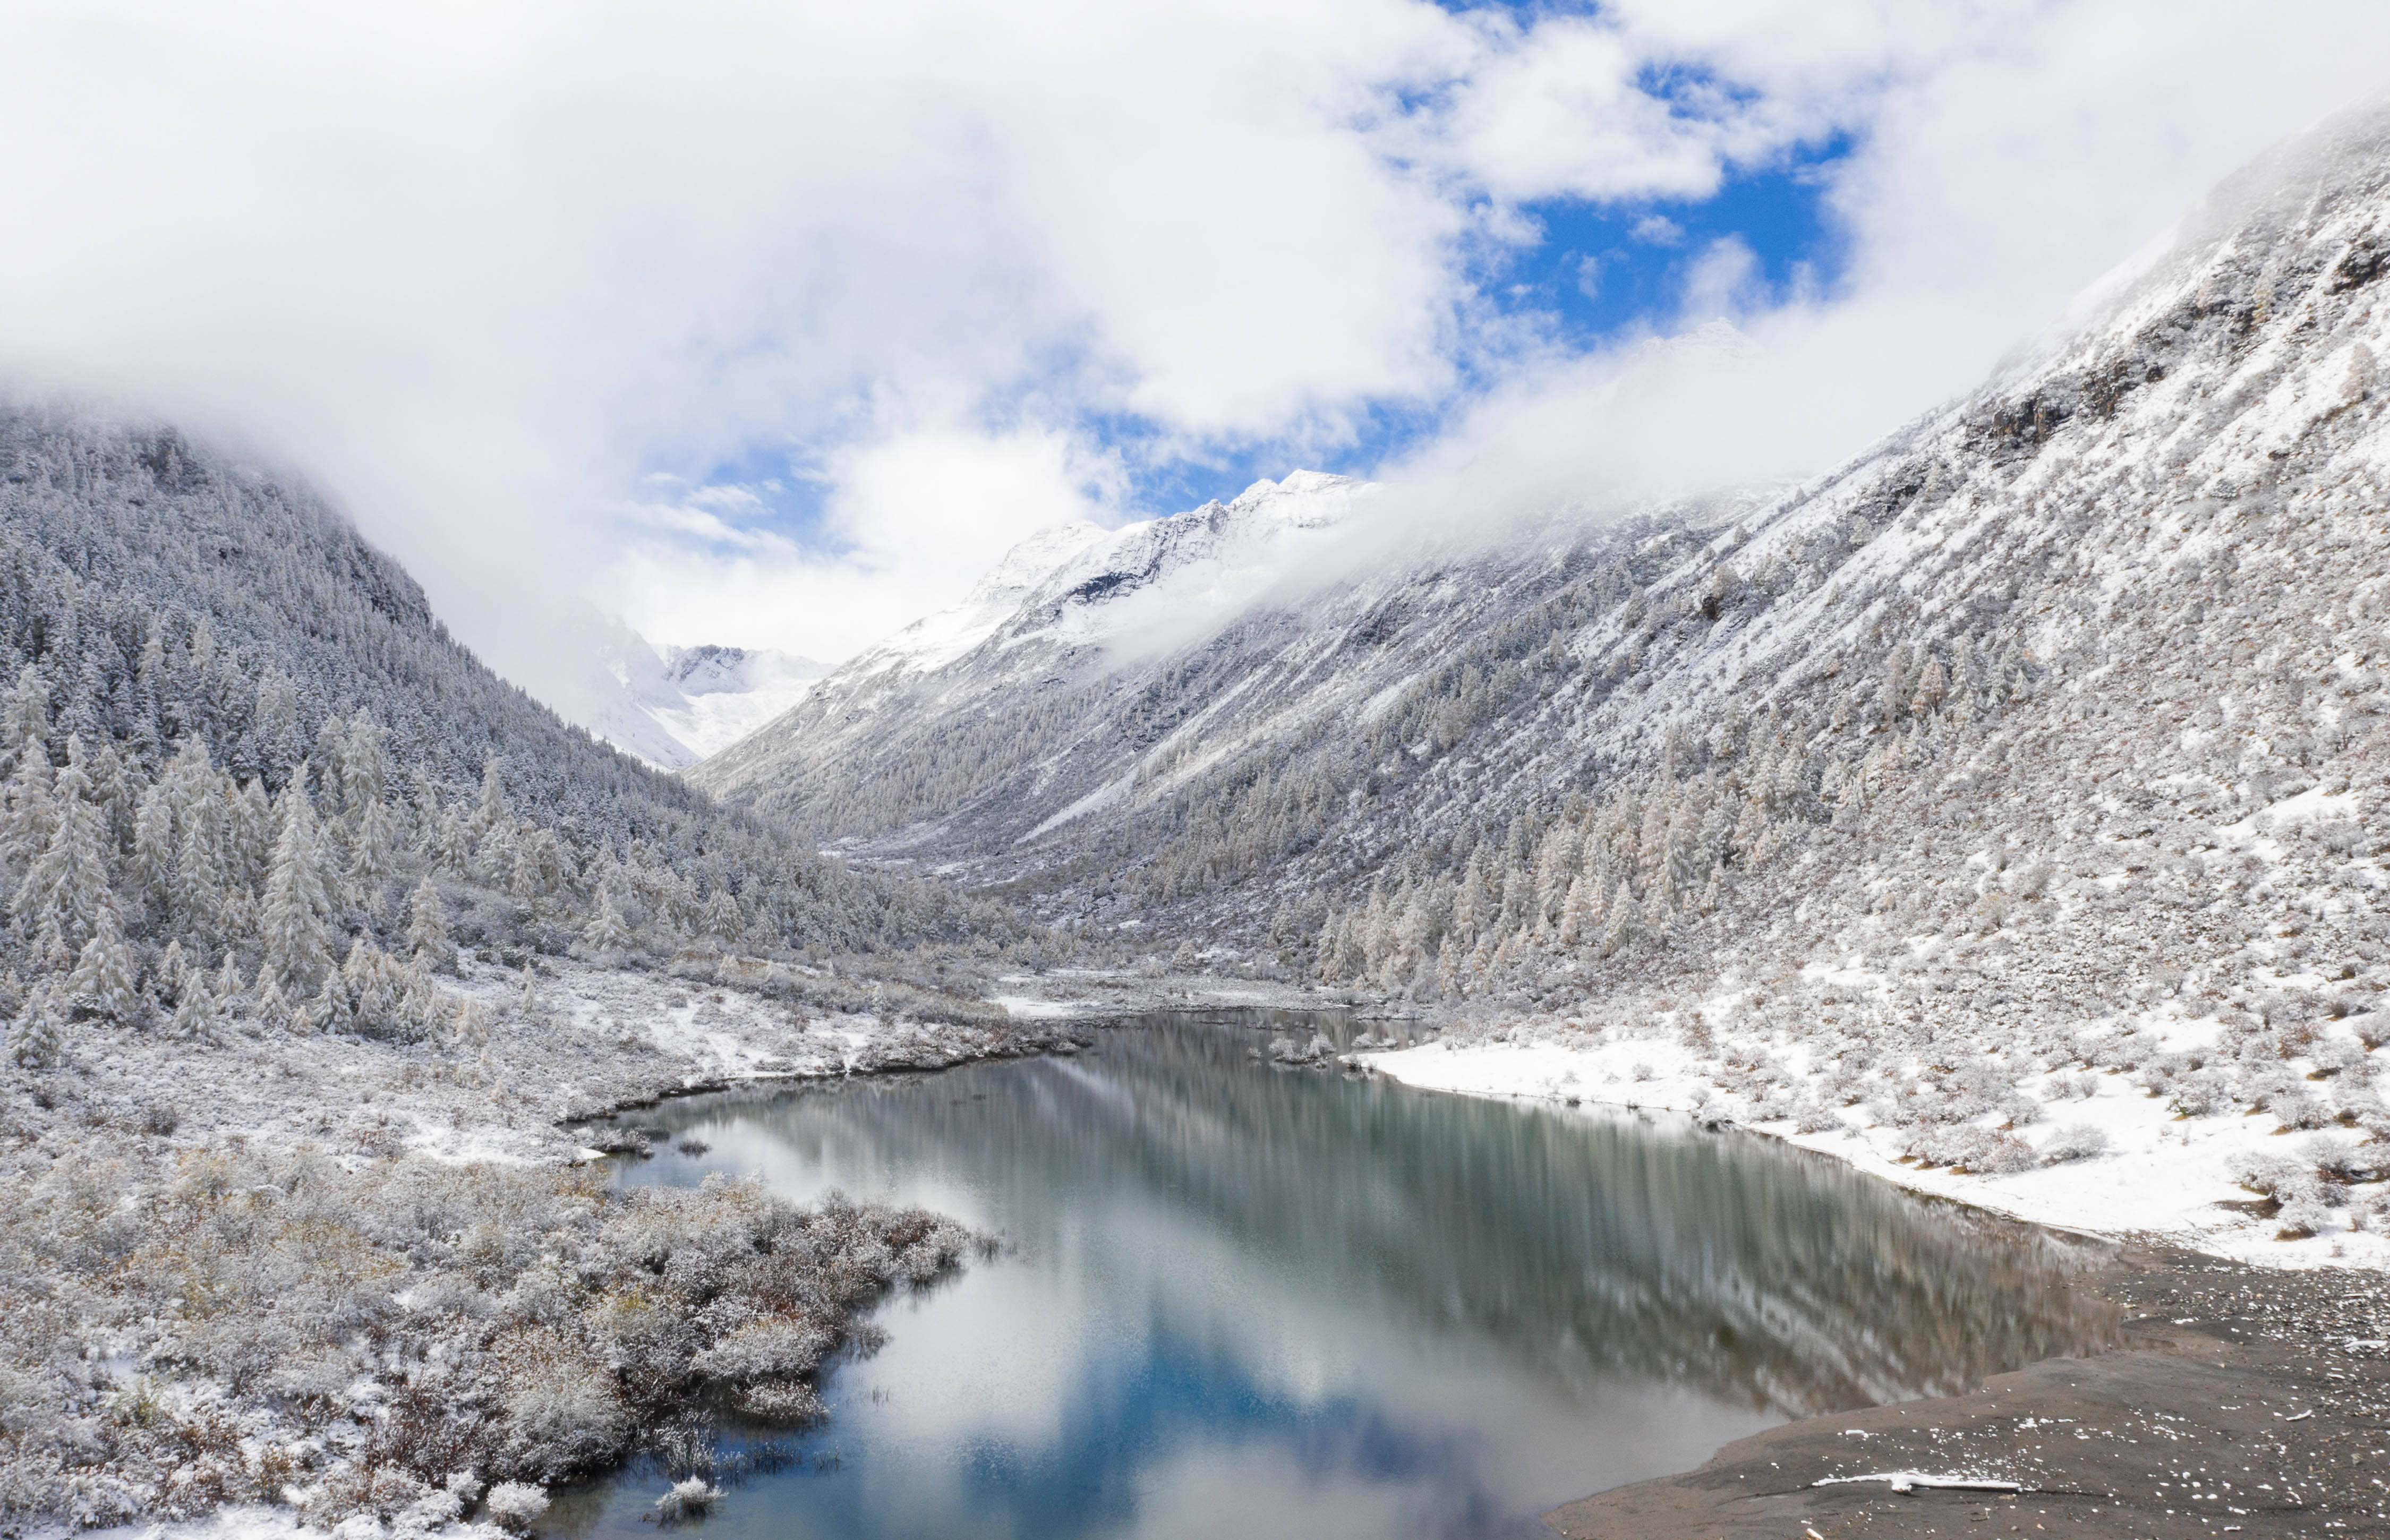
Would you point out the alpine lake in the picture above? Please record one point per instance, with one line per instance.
(1239, 1299)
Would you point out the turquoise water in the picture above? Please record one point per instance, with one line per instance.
(1257, 1302)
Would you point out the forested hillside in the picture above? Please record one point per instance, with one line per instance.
(243, 759)
(2051, 655)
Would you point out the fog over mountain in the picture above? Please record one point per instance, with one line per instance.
(2069, 686)
(2001, 811)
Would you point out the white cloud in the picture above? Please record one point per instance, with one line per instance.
(485, 269)
(921, 512)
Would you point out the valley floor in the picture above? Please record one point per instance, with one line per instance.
(215, 1256)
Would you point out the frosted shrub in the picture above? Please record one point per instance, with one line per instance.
(2079, 1141)
(516, 1505)
(2276, 1177)
(2201, 1095)
(2020, 1109)
(2298, 1108)
(788, 1403)
(688, 1499)
(2337, 1055)
(2303, 1216)
(1982, 1151)
(2341, 1161)
(563, 1409)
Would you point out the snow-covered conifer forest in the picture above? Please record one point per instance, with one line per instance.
(315, 930)
(2013, 788)
(2002, 810)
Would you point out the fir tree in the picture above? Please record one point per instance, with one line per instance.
(103, 978)
(68, 887)
(606, 932)
(427, 927)
(37, 1037)
(293, 921)
(1624, 922)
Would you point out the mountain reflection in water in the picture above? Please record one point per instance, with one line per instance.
(1286, 1302)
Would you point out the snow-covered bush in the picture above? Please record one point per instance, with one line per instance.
(516, 1505)
(2202, 1094)
(1982, 1151)
(2279, 1178)
(2298, 1108)
(548, 1324)
(688, 1499)
(2080, 1141)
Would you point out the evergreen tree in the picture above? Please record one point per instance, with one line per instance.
(37, 1037)
(196, 1013)
(103, 978)
(1624, 922)
(25, 721)
(67, 888)
(427, 927)
(606, 932)
(294, 919)
(155, 868)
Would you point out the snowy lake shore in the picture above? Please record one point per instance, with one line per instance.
(2108, 1156)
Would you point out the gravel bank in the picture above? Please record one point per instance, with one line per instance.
(2241, 1401)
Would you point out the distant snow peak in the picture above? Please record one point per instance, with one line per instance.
(673, 706)
(1081, 578)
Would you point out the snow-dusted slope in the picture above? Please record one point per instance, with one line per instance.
(2028, 773)
(1074, 605)
(2148, 548)
(673, 706)
(724, 693)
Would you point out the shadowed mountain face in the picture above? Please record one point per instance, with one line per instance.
(1505, 1305)
(2042, 642)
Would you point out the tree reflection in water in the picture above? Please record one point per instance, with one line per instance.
(1291, 1303)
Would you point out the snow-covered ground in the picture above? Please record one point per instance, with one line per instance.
(2162, 1173)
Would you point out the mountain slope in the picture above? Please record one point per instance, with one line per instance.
(2053, 641)
(172, 620)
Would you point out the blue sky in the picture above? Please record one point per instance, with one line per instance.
(1595, 274)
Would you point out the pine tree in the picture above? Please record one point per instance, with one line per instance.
(196, 1013)
(1623, 923)
(722, 920)
(427, 927)
(103, 978)
(452, 846)
(31, 813)
(67, 885)
(273, 1006)
(492, 810)
(293, 921)
(373, 860)
(1576, 912)
(230, 985)
(25, 721)
(37, 1037)
(155, 868)
(606, 932)
(173, 974)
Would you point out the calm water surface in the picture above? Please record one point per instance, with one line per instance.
(1257, 1302)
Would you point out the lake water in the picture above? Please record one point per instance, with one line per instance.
(1252, 1302)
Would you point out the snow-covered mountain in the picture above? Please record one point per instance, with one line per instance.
(672, 706)
(2098, 644)
(727, 692)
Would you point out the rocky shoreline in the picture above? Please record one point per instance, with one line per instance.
(2239, 1400)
